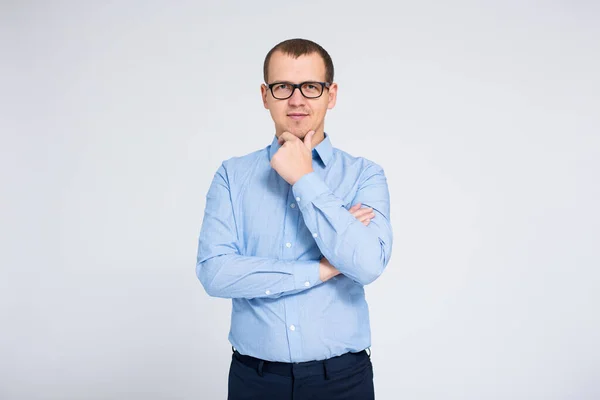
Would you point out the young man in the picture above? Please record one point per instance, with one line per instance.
(292, 233)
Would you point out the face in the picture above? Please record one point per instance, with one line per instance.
(298, 115)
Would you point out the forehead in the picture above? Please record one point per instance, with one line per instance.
(309, 67)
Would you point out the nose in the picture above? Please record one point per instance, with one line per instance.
(297, 99)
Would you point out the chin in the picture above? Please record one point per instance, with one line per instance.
(296, 131)
(300, 130)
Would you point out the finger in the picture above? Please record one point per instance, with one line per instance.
(355, 207)
(286, 137)
(362, 212)
(308, 139)
(363, 218)
(361, 215)
(282, 138)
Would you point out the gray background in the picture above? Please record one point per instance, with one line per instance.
(115, 115)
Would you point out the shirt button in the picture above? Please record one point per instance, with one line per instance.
(293, 205)
(292, 328)
(315, 235)
(307, 283)
(288, 245)
(268, 292)
(297, 198)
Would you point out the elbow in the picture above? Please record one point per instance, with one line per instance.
(211, 290)
(209, 287)
(369, 273)
(370, 262)
(207, 279)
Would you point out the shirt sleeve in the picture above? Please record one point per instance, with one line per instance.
(360, 252)
(225, 273)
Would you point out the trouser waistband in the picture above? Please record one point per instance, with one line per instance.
(328, 366)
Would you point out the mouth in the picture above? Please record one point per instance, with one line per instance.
(297, 116)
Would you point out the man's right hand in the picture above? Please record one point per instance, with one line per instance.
(326, 270)
(364, 215)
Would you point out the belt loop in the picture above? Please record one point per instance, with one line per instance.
(325, 370)
(261, 363)
(368, 352)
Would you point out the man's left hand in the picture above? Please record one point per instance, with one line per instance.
(293, 160)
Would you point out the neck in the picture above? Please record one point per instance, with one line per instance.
(318, 137)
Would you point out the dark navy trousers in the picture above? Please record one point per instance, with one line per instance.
(347, 377)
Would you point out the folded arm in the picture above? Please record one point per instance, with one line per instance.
(221, 269)
(357, 251)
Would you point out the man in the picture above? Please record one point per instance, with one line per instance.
(292, 233)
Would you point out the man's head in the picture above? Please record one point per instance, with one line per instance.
(293, 62)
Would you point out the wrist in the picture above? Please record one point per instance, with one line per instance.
(293, 181)
(326, 270)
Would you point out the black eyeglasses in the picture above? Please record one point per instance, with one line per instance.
(285, 90)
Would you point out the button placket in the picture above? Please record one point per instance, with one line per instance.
(291, 222)
(292, 306)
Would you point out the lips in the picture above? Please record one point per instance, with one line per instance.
(297, 116)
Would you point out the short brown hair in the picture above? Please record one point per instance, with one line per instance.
(297, 48)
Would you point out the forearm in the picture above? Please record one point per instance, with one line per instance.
(358, 251)
(225, 273)
(236, 276)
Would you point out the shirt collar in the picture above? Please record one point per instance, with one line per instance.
(323, 150)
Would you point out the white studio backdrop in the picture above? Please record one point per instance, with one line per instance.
(114, 116)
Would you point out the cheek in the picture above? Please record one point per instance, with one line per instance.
(320, 110)
(279, 110)
(277, 113)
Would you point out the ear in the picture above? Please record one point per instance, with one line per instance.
(332, 95)
(264, 91)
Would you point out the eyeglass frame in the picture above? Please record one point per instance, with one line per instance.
(324, 85)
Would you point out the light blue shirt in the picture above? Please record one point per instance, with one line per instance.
(261, 242)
